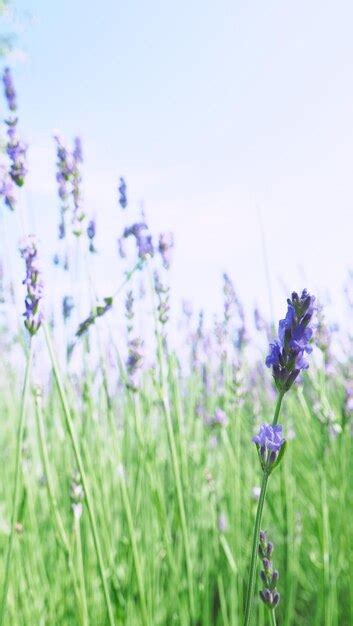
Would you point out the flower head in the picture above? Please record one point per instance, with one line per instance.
(165, 246)
(10, 92)
(122, 193)
(33, 281)
(269, 443)
(286, 356)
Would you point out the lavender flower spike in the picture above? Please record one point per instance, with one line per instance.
(270, 445)
(165, 246)
(33, 281)
(122, 193)
(9, 89)
(286, 356)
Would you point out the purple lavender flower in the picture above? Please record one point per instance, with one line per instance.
(223, 523)
(17, 153)
(286, 356)
(220, 418)
(7, 188)
(269, 443)
(78, 213)
(143, 239)
(269, 595)
(134, 362)
(33, 281)
(122, 193)
(165, 246)
(10, 92)
(77, 151)
(67, 307)
(91, 233)
(121, 248)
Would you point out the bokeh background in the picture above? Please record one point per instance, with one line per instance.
(230, 121)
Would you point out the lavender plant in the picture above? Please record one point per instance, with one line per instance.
(286, 358)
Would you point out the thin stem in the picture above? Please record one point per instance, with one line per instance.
(255, 542)
(273, 618)
(59, 524)
(278, 408)
(16, 491)
(260, 506)
(81, 469)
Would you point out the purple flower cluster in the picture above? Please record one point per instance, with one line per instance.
(269, 443)
(143, 239)
(134, 363)
(68, 177)
(16, 149)
(286, 355)
(10, 92)
(33, 281)
(269, 595)
(7, 189)
(91, 233)
(165, 246)
(17, 153)
(122, 193)
(67, 307)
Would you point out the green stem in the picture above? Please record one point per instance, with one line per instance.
(255, 543)
(81, 469)
(53, 503)
(273, 618)
(278, 408)
(260, 506)
(16, 491)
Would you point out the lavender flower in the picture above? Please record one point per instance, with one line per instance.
(91, 233)
(143, 238)
(10, 92)
(33, 281)
(78, 213)
(134, 363)
(17, 153)
(270, 445)
(162, 293)
(7, 188)
(97, 311)
(286, 356)
(67, 307)
(165, 246)
(122, 193)
(269, 595)
(121, 248)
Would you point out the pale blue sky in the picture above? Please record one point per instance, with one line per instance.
(212, 111)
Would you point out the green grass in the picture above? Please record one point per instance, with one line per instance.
(157, 486)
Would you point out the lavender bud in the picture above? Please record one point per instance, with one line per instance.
(122, 193)
(10, 93)
(33, 281)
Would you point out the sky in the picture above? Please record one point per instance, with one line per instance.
(230, 121)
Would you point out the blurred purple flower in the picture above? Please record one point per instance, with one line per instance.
(33, 281)
(165, 246)
(122, 193)
(10, 93)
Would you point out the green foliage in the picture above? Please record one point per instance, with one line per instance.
(125, 444)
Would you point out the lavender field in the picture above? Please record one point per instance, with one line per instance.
(161, 466)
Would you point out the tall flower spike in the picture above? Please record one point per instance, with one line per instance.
(286, 356)
(10, 92)
(33, 281)
(122, 193)
(165, 246)
(270, 446)
(269, 595)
